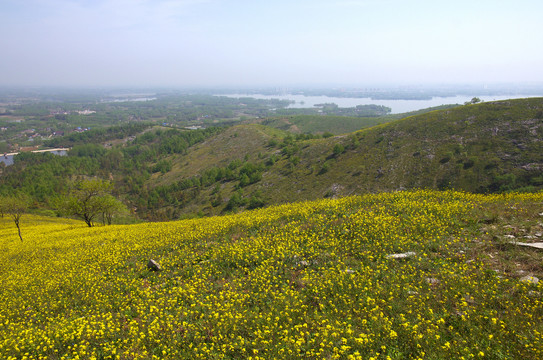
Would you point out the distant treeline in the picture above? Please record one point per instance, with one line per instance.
(333, 109)
(43, 176)
(98, 135)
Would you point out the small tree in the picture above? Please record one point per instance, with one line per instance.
(339, 149)
(89, 199)
(474, 100)
(16, 206)
(111, 207)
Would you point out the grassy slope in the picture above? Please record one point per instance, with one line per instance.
(315, 124)
(468, 147)
(463, 148)
(307, 280)
(233, 144)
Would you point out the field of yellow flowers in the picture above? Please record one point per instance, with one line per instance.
(311, 280)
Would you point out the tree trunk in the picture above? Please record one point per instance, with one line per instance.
(19, 230)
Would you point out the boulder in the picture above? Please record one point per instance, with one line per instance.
(432, 281)
(530, 279)
(401, 255)
(153, 265)
(536, 245)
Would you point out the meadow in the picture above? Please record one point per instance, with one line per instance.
(309, 280)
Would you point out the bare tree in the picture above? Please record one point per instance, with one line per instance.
(15, 206)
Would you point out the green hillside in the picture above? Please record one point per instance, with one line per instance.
(489, 147)
(479, 148)
(319, 124)
(235, 143)
(314, 124)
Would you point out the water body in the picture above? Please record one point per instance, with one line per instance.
(7, 159)
(397, 106)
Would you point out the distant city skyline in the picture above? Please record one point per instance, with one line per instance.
(219, 43)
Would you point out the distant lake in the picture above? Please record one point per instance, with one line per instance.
(397, 106)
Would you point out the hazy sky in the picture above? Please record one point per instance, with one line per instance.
(272, 42)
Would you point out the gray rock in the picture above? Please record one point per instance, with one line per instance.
(153, 265)
(537, 245)
(432, 281)
(401, 255)
(530, 279)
